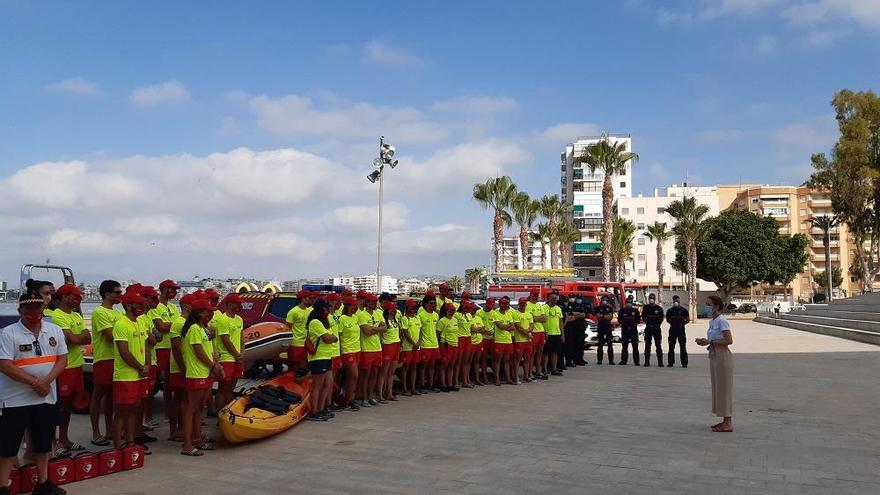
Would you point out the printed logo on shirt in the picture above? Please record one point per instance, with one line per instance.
(25, 348)
(52, 341)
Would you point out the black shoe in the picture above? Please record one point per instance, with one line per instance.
(144, 439)
(659, 365)
(646, 365)
(317, 417)
(353, 407)
(453, 389)
(581, 363)
(444, 389)
(684, 366)
(556, 373)
(436, 390)
(48, 488)
(622, 363)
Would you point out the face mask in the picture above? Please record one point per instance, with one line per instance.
(709, 309)
(675, 303)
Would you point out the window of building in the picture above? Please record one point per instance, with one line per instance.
(624, 211)
(623, 184)
(641, 241)
(592, 273)
(661, 210)
(803, 212)
(640, 226)
(643, 257)
(640, 211)
(641, 272)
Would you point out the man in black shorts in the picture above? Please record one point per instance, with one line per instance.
(32, 355)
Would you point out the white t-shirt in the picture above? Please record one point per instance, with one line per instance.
(716, 326)
(17, 344)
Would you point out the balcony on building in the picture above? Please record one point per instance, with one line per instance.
(587, 247)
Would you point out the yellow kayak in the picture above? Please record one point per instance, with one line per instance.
(275, 406)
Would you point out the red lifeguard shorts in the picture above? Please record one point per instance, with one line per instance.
(70, 382)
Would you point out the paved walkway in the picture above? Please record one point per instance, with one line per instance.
(805, 417)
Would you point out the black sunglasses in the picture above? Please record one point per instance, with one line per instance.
(37, 349)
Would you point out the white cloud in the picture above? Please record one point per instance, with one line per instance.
(477, 104)
(805, 136)
(228, 125)
(561, 134)
(796, 12)
(148, 225)
(76, 85)
(365, 218)
(445, 238)
(719, 135)
(864, 12)
(296, 115)
(159, 94)
(72, 240)
(275, 244)
(766, 45)
(383, 52)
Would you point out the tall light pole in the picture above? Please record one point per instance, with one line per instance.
(386, 155)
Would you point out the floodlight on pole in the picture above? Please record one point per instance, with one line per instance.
(386, 152)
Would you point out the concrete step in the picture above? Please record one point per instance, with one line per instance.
(868, 326)
(844, 333)
(855, 306)
(872, 298)
(836, 312)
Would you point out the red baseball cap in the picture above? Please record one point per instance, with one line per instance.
(371, 297)
(333, 297)
(212, 294)
(349, 300)
(345, 292)
(447, 306)
(200, 304)
(361, 294)
(134, 288)
(148, 291)
(68, 289)
(168, 284)
(233, 298)
(132, 297)
(412, 303)
(389, 305)
(303, 294)
(444, 285)
(430, 293)
(465, 295)
(188, 299)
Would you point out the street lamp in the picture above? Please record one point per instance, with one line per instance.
(386, 157)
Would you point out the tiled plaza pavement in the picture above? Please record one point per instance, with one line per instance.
(805, 416)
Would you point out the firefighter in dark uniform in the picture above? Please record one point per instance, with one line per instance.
(629, 319)
(575, 331)
(653, 316)
(604, 313)
(677, 317)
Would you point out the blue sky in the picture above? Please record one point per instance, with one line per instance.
(138, 135)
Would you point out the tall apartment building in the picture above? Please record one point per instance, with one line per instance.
(368, 283)
(644, 211)
(792, 208)
(511, 260)
(583, 191)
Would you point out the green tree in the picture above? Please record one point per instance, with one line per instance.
(454, 283)
(525, 213)
(690, 228)
(739, 248)
(658, 233)
(610, 158)
(852, 175)
(497, 194)
(542, 237)
(556, 212)
(622, 235)
(473, 277)
(826, 224)
(821, 278)
(566, 235)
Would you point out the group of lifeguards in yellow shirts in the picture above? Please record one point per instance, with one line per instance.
(356, 342)
(191, 348)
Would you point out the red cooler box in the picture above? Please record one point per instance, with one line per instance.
(61, 470)
(132, 457)
(109, 461)
(85, 465)
(27, 478)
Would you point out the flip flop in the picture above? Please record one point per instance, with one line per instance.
(74, 447)
(175, 439)
(194, 452)
(206, 446)
(719, 429)
(101, 441)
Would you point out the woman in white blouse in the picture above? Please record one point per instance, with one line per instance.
(718, 338)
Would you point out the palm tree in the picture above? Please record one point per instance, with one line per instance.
(497, 194)
(525, 212)
(472, 277)
(690, 227)
(555, 211)
(542, 237)
(566, 235)
(622, 235)
(826, 223)
(657, 232)
(454, 283)
(611, 158)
